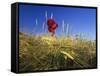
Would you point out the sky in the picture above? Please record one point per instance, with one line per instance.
(80, 20)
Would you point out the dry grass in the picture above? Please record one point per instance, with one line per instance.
(51, 53)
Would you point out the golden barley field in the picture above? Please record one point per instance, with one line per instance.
(37, 53)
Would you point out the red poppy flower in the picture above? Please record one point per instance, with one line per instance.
(52, 25)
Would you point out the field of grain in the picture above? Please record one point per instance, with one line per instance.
(37, 53)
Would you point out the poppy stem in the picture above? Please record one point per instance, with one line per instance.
(53, 33)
